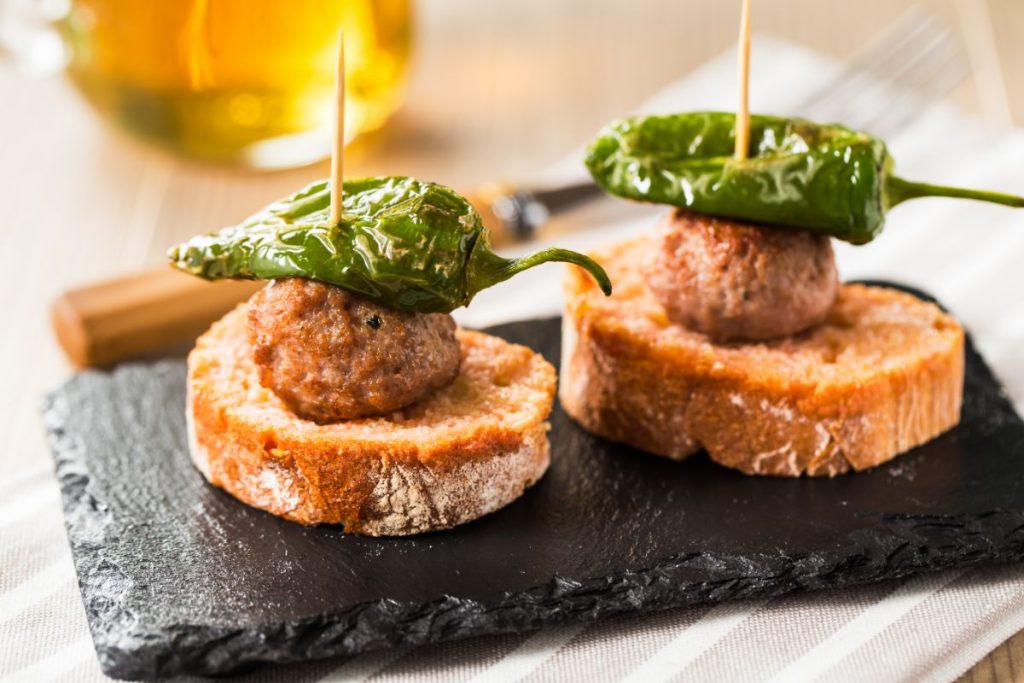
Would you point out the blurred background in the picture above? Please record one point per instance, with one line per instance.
(483, 91)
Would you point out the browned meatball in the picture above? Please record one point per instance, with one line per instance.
(332, 355)
(733, 280)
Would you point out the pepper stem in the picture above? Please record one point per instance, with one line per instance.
(898, 190)
(497, 269)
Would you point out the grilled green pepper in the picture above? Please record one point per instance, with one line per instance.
(821, 178)
(409, 245)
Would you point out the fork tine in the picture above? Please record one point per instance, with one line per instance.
(893, 46)
(894, 40)
(920, 68)
(911, 70)
(896, 49)
(947, 70)
(882, 87)
(892, 102)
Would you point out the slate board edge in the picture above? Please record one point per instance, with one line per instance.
(893, 546)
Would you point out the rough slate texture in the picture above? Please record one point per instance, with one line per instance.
(178, 577)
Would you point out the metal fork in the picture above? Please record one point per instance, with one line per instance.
(883, 86)
(881, 89)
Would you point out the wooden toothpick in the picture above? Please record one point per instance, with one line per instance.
(338, 148)
(743, 72)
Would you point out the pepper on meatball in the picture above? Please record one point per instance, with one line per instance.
(737, 281)
(333, 355)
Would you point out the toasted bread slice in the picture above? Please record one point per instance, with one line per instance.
(883, 374)
(466, 450)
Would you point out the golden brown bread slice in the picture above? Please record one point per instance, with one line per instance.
(466, 450)
(882, 375)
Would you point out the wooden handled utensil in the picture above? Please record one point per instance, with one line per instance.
(103, 323)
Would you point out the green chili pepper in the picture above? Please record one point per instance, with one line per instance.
(410, 245)
(822, 178)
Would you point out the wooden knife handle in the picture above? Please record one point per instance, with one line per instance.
(103, 323)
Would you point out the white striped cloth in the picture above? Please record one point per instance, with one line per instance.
(929, 628)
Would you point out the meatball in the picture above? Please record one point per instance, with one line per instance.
(736, 281)
(332, 355)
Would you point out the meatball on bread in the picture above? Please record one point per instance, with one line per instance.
(881, 374)
(332, 355)
(468, 449)
(342, 392)
(729, 330)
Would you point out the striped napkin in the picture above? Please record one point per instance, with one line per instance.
(929, 628)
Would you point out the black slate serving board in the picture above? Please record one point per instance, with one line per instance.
(178, 577)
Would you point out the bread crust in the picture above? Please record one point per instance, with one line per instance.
(883, 374)
(467, 450)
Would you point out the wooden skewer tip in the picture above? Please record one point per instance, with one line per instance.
(743, 72)
(338, 138)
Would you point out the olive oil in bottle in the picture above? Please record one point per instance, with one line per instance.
(239, 81)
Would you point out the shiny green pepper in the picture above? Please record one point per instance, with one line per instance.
(821, 178)
(407, 244)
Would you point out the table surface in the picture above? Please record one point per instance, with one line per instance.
(525, 81)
